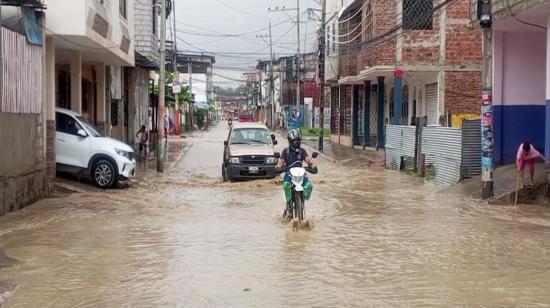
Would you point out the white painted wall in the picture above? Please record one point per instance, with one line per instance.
(520, 68)
(69, 18)
(66, 17)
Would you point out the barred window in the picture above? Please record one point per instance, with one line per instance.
(369, 22)
(155, 22)
(123, 8)
(418, 14)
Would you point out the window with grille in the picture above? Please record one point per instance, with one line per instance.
(418, 14)
(122, 8)
(154, 17)
(330, 45)
(369, 22)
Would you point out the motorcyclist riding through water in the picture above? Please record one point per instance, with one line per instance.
(294, 156)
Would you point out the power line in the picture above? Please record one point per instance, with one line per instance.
(221, 34)
(238, 10)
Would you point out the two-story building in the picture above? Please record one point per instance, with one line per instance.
(146, 51)
(88, 43)
(399, 61)
(521, 70)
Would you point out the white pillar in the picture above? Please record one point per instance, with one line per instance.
(101, 97)
(76, 81)
(547, 137)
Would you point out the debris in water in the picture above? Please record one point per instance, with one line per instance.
(7, 290)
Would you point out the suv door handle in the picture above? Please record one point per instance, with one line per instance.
(61, 140)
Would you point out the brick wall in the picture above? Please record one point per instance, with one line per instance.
(348, 52)
(463, 92)
(463, 43)
(146, 42)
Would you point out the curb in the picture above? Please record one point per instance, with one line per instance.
(70, 188)
(311, 150)
(323, 155)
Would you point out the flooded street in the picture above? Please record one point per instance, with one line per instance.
(185, 239)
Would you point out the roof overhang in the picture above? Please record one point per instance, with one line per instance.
(425, 74)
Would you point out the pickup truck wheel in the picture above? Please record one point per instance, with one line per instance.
(104, 174)
(225, 174)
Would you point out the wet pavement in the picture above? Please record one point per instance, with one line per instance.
(185, 239)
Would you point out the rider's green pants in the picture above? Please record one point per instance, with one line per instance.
(287, 187)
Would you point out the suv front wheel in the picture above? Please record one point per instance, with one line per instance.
(104, 174)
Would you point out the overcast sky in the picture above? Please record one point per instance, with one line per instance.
(206, 24)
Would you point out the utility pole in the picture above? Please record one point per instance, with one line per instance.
(322, 73)
(190, 71)
(162, 80)
(298, 63)
(175, 68)
(271, 81)
(283, 9)
(485, 20)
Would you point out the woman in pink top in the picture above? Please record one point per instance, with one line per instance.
(527, 154)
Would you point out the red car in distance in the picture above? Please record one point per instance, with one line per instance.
(246, 117)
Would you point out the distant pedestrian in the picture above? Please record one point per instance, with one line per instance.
(166, 126)
(527, 154)
(171, 126)
(143, 135)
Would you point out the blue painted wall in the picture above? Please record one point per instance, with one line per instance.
(514, 124)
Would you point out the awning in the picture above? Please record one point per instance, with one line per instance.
(429, 74)
(370, 73)
(32, 25)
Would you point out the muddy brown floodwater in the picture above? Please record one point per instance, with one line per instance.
(184, 239)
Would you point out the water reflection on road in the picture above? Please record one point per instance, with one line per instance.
(185, 239)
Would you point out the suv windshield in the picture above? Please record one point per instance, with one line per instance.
(250, 136)
(89, 127)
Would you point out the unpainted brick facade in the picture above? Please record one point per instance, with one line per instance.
(454, 50)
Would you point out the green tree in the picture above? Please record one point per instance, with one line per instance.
(169, 97)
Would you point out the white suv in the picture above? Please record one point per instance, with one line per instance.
(79, 147)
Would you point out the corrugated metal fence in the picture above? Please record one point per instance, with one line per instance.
(22, 74)
(471, 148)
(400, 144)
(454, 153)
(443, 149)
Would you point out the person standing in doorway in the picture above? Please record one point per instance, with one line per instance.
(143, 135)
(527, 154)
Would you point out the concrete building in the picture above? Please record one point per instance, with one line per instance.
(27, 120)
(521, 87)
(147, 58)
(88, 44)
(403, 60)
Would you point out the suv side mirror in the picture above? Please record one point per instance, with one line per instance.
(225, 142)
(273, 137)
(82, 133)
